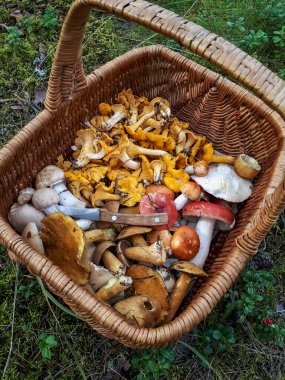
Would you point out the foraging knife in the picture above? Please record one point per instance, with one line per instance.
(99, 214)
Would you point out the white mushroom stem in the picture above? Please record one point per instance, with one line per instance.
(66, 198)
(112, 121)
(180, 201)
(32, 237)
(140, 122)
(128, 162)
(189, 169)
(96, 156)
(84, 224)
(113, 287)
(204, 229)
(189, 191)
(149, 152)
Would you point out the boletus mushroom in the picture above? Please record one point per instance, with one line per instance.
(147, 282)
(140, 310)
(64, 244)
(188, 271)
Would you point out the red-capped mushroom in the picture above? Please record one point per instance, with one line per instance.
(185, 243)
(160, 189)
(157, 203)
(208, 213)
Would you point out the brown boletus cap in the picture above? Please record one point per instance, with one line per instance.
(132, 231)
(189, 268)
(141, 311)
(100, 249)
(120, 252)
(147, 282)
(64, 244)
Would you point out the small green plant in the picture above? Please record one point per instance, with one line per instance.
(216, 339)
(269, 331)
(46, 343)
(279, 39)
(13, 37)
(252, 300)
(238, 24)
(26, 24)
(254, 39)
(153, 364)
(28, 290)
(48, 20)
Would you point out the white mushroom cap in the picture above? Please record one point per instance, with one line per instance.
(25, 195)
(44, 198)
(223, 182)
(20, 215)
(49, 176)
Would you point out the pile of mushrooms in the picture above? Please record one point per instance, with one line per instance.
(134, 157)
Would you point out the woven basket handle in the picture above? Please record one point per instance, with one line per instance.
(67, 75)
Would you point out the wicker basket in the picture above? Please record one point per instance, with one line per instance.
(232, 118)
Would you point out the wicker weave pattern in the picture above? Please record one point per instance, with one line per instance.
(67, 72)
(233, 119)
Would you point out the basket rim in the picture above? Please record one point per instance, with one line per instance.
(107, 317)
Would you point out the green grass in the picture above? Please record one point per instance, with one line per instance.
(26, 309)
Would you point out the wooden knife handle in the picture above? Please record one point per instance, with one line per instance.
(134, 219)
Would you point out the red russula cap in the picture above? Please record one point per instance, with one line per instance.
(209, 210)
(156, 203)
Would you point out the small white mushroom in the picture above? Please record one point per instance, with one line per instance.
(26, 195)
(46, 199)
(20, 215)
(52, 176)
(32, 237)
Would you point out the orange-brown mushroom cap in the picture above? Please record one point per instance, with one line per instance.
(185, 243)
(64, 244)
